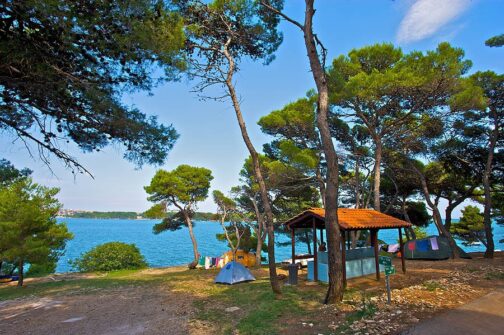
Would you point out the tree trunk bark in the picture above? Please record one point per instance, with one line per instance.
(21, 273)
(321, 182)
(448, 217)
(409, 231)
(487, 220)
(335, 289)
(259, 232)
(452, 204)
(377, 174)
(275, 284)
(308, 244)
(228, 238)
(436, 215)
(259, 251)
(357, 185)
(188, 221)
(355, 235)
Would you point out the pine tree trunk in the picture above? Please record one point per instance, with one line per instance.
(259, 250)
(259, 233)
(357, 183)
(21, 273)
(321, 182)
(487, 219)
(335, 289)
(410, 233)
(275, 284)
(308, 244)
(448, 217)
(354, 235)
(436, 215)
(188, 221)
(377, 174)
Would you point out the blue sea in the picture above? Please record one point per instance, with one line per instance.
(175, 248)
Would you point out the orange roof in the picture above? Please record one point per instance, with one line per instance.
(348, 219)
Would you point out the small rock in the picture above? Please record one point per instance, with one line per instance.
(232, 309)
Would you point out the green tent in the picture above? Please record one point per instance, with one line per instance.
(430, 248)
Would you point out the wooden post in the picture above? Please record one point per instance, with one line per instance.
(343, 257)
(293, 242)
(401, 249)
(315, 249)
(374, 242)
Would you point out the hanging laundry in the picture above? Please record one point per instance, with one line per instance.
(201, 261)
(208, 262)
(214, 261)
(393, 248)
(434, 244)
(422, 245)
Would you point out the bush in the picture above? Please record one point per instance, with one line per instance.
(37, 270)
(110, 256)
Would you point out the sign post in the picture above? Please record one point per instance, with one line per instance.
(389, 270)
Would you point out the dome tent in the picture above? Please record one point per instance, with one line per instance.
(430, 248)
(233, 273)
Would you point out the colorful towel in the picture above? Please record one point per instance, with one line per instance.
(208, 262)
(201, 261)
(393, 247)
(434, 244)
(411, 245)
(214, 261)
(422, 245)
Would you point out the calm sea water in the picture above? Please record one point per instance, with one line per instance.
(175, 248)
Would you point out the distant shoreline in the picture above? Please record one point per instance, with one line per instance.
(132, 219)
(124, 215)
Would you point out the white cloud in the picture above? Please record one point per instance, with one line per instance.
(426, 17)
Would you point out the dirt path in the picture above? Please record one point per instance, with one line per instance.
(129, 310)
(480, 317)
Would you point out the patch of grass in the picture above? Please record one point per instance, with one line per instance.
(260, 310)
(366, 310)
(432, 286)
(350, 293)
(108, 280)
(494, 275)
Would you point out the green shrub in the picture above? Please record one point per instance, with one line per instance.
(37, 270)
(110, 256)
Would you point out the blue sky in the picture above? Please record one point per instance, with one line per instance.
(209, 133)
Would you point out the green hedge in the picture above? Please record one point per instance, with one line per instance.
(110, 256)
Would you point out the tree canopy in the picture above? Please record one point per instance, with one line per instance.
(470, 227)
(181, 188)
(9, 173)
(495, 41)
(65, 65)
(385, 90)
(29, 232)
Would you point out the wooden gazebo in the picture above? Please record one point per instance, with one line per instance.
(348, 220)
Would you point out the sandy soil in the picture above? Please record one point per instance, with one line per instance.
(129, 310)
